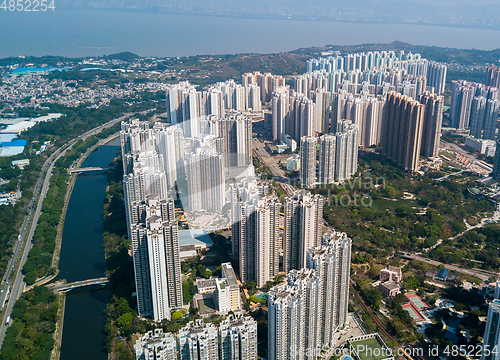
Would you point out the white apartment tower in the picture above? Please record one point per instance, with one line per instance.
(308, 161)
(433, 119)
(155, 252)
(327, 152)
(156, 345)
(170, 140)
(255, 232)
(198, 341)
(491, 338)
(305, 312)
(280, 110)
(346, 155)
(436, 76)
(238, 338)
(302, 228)
(205, 179)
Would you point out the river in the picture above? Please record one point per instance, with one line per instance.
(82, 257)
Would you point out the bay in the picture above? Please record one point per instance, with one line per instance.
(77, 33)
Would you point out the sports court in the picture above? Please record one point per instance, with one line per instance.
(417, 301)
(413, 311)
(206, 306)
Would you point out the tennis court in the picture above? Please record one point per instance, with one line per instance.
(414, 313)
(206, 306)
(417, 301)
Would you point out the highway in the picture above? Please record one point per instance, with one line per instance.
(13, 284)
(260, 151)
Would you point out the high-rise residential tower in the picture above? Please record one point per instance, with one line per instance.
(155, 250)
(305, 312)
(496, 163)
(493, 76)
(433, 119)
(198, 341)
(463, 93)
(484, 117)
(280, 110)
(327, 157)
(156, 345)
(346, 150)
(436, 76)
(256, 230)
(302, 228)
(402, 133)
(170, 140)
(205, 179)
(308, 161)
(491, 338)
(238, 338)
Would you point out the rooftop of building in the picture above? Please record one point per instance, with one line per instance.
(432, 272)
(390, 285)
(392, 268)
(205, 283)
(199, 238)
(229, 274)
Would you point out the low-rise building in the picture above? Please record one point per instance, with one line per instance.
(389, 289)
(224, 291)
(234, 289)
(432, 273)
(293, 163)
(292, 144)
(486, 147)
(391, 273)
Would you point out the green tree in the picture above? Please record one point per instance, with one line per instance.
(125, 319)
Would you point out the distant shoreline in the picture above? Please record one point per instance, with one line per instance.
(91, 33)
(282, 17)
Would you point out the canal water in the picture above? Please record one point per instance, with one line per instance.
(82, 257)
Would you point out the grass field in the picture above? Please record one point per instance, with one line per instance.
(369, 349)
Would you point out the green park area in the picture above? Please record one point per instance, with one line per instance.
(370, 349)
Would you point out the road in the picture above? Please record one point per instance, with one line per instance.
(13, 282)
(260, 151)
(483, 275)
(461, 150)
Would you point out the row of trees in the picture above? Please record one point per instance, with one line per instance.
(30, 337)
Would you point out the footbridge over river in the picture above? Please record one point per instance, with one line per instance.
(64, 287)
(88, 169)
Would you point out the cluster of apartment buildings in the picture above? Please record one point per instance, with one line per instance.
(339, 105)
(234, 339)
(154, 162)
(376, 91)
(306, 311)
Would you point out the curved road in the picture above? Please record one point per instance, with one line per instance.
(13, 284)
